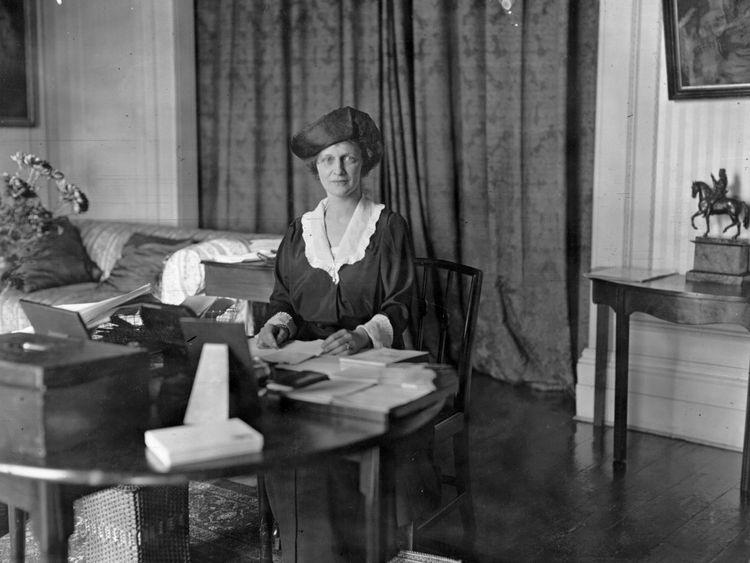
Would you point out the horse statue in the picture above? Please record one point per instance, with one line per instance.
(709, 204)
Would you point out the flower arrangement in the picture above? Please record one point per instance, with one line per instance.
(24, 219)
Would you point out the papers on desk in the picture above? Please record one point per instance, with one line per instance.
(291, 353)
(383, 357)
(372, 389)
(406, 374)
(381, 398)
(360, 399)
(369, 393)
(98, 312)
(324, 392)
(325, 364)
(409, 376)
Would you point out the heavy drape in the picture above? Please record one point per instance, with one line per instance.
(488, 123)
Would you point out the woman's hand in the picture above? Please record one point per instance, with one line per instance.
(346, 342)
(272, 336)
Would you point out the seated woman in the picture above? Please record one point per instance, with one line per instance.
(344, 274)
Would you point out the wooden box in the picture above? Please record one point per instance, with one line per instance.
(56, 393)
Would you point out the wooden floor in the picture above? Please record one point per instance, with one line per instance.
(544, 489)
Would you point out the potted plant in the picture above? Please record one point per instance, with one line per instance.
(24, 218)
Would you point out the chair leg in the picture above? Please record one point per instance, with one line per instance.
(463, 487)
(17, 534)
(265, 521)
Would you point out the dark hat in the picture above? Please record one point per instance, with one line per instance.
(343, 124)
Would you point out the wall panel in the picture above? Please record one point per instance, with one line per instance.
(118, 106)
(685, 381)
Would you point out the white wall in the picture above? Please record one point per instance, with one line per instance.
(684, 381)
(117, 106)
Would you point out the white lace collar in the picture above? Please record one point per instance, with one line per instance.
(353, 244)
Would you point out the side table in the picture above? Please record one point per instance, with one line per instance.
(252, 281)
(244, 280)
(671, 299)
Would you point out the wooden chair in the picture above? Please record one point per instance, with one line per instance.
(444, 322)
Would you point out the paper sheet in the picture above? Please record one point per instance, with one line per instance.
(381, 398)
(293, 352)
(327, 364)
(324, 392)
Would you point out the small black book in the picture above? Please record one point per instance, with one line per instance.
(282, 381)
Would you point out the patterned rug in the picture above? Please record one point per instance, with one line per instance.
(223, 526)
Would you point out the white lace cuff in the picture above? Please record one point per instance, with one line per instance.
(285, 320)
(379, 330)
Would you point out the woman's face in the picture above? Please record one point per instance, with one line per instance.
(339, 169)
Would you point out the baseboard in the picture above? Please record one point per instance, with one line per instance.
(683, 383)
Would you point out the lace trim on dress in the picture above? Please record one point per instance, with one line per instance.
(284, 319)
(379, 330)
(353, 244)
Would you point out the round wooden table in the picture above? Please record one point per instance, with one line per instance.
(46, 488)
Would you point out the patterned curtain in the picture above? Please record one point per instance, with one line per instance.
(488, 123)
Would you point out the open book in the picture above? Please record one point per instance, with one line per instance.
(94, 314)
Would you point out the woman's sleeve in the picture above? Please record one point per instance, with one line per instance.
(397, 278)
(280, 308)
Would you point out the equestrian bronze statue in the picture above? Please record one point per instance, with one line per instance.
(714, 201)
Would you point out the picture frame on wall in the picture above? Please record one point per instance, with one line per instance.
(707, 48)
(18, 66)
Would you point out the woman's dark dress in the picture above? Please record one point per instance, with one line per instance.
(319, 509)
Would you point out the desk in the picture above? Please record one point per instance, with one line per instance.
(672, 299)
(47, 487)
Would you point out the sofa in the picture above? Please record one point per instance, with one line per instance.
(112, 257)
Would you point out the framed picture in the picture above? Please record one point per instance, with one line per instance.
(18, 96)
(707, 47)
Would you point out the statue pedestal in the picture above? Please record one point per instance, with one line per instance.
(720, 261)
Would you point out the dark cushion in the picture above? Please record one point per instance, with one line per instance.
(57, 259)
(142, 261)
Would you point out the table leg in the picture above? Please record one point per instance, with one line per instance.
(53, 523)
(369, 485)
(745, 477)
(600, 363)
(17, 534)
(265, 523)
(622, 352)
